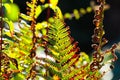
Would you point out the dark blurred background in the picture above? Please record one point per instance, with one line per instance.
(82, 29)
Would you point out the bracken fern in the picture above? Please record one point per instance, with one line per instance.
(20, 54)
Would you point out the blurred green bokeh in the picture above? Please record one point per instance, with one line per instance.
(11, 11)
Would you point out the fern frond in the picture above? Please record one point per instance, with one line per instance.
(62, 48)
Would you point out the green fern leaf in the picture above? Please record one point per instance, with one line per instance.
(61, 48)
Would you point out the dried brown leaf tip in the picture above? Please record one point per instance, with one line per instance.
(97, 37)
(98, 22)
(99, 41)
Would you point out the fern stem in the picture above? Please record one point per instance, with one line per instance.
(101, 24)
(32, 73)
(34, 39)
(33, 53)
(97, 38)
(1, 27)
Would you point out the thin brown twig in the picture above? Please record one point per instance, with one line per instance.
(1, 27)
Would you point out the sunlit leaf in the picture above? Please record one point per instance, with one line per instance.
(54, 2)
(18, 76)
(12, 66)
(44, 31)
(7, 33)
(11, 1)
(14, 61)
(11, 11)
(38, 26)
(54, 52)
(26, 17)
(11, 26)
(58, 11)
(38, 11)
(29, 4)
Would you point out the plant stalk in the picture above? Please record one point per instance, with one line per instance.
(1, 27)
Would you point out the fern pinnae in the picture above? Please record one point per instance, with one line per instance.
(52, 63)
(67, 49)
(53, 71)
(54, 52)
(63, 30)
(63, 45)
(69, 64)
(68, 56)
(71, 74)
(60, 24)
(54, 56)
(63, 35)
(63, 39)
